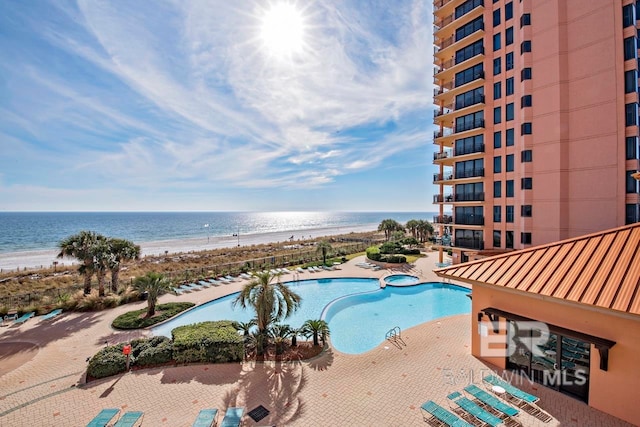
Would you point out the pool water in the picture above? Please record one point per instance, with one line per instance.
(358, 323)
(401, 279)
(316, 294)
(358, 311)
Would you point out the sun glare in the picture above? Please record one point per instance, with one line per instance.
(282, 30)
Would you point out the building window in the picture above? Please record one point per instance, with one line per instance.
(510, 137)
(526, 183)
(525, 238)
(525, 74)
(469, 75)
(497, 139)
(525, 46)
(525, 19)
(471, 144)
(509, 188)
(508, 213)
(509, 113)
(497, 42)
(497, 189)
(508, 11)
(632, 147)
(496, 239)
(632, 215)
(631, 114)
(632, 183)
(497, 113)
(630, 50)
(497, 164)
(497, 90)
(526, 101)
(526, 129)
(496, 17)
(470, 28)
(509, 164)
(469, 121)
(526, 211)
(471, 97)
(497, 66)
(469, 52)
(526, 156)
(508, 36)
(509, 86)
(497, 214)
(508, 237)
(630, 81)
(508, 61)
(467, 7)
(469, 168)
(628, 16)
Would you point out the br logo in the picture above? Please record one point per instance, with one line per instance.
(519, 337)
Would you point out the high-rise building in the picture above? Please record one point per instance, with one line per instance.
(537, 121)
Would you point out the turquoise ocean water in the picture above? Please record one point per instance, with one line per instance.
(28, 231)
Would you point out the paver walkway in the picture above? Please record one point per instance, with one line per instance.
(384, 387)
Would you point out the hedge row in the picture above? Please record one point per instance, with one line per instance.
(136, 319)
(373, 253)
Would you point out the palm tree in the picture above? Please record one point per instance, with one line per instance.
(153, 283)
(272, 302)
(245, 327)
(294, 335)
(314, 328)
(412, 226)
(80, 246)
(389, 226)
(279, 333)
(424, 230)
(102, 258)
(324, 247)
(122, 251)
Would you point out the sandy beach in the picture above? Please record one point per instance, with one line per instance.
(45, 258)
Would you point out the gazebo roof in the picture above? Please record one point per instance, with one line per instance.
(600, 269)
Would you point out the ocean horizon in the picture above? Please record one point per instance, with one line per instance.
(37, 231)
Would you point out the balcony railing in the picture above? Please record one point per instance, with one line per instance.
(444, 21)
(437, 4)
(469, 197)
(442, 177)
(468, 243)
(444, 43)
(442, 198)
(477, 123)
(475, 99)
(463, 150)
(469, 220)
(441, 111)
(469, 173)
(443, 155)
(442, 88)
(441, 133)
(443, 219)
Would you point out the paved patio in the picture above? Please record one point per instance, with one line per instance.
(383, 387)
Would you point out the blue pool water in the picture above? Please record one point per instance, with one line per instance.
(316, 294)
(401, 279)
(358, 323)
(359, 313)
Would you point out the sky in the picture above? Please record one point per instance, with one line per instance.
(216, 105)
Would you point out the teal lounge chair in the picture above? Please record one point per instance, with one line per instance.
(232, 418)
(20, 320)
(475, 410)
(104, 417)
(491, 400)
(512, 390)
(51, 314)
(130, 419)
(442, 415)
(206, 418)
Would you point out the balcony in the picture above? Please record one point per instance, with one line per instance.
(443, 110)
(469, 197)
(471, 149)
(469, 243)
(442, 198)
(475, 10)
(442, 88)
(442, 133)
(477, 123)
(437, 4)
(442, 155)
(475, 99)
(442, 219)
(469, 220)
(442, 177)
(469, 173)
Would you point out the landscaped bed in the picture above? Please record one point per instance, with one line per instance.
(137, 319)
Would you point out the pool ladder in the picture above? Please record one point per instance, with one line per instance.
(394, 336)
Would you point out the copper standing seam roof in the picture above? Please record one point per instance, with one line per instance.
(600, 269)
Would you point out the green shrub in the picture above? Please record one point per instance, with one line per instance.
(373, 253)
(214, 342)
(136, 319)
(394, 259)
(108, 361)
(153, 351)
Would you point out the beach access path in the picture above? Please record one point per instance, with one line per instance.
(383, 387)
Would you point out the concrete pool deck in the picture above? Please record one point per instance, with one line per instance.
(385, 386)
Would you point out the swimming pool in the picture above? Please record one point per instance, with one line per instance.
(358, 312)
(358, 323)
(315, 293)
(401, 279)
